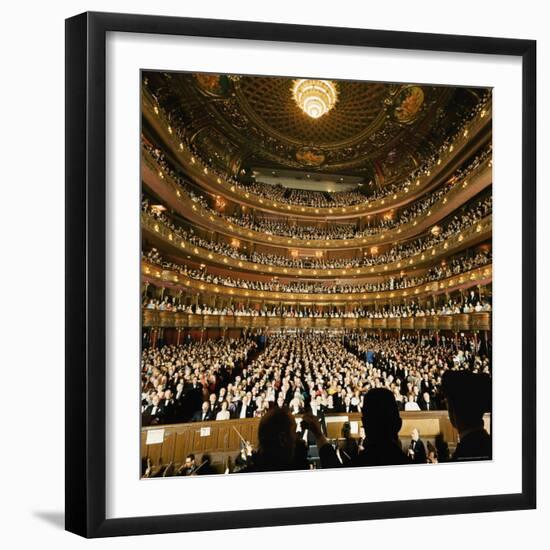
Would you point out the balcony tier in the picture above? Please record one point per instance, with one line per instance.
(160, 234)
(457, 322)
(156, 275)
(204, 177)
(170, 193)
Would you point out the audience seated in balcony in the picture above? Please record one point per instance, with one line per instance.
(315, 198)
(450, 227)
(333, 286)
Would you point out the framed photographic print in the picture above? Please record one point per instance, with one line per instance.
(300, 273)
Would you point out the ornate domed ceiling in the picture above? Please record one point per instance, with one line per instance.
(268, 102)
(376, 131)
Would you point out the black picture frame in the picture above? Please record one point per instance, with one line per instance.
(86, 273)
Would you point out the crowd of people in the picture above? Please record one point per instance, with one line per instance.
(455, 266)
(473, 304)
(318, 199)
(333, 231)
(320, 372)
(285, 443)
(292, 380)
(305, 197)
(462, 219)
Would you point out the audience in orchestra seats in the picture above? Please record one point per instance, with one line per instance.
(411, 403)
(223, 413)
(217, 380)
(468, 397)
(180, 379)
(417, 450)
(313, 376)
(204, 414)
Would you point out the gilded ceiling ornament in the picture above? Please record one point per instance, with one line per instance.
(315, 97)
(408, 104)
(310, 157)
(214, 84)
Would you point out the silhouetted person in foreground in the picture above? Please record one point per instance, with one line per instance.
(382, 423)
(468, 397)
(279, 447)
(348, 449)
(441, 448)
(205, 468)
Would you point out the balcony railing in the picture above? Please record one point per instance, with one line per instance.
(470, 235)
(464, 189)
(156, 274)
(458, 322)
(202, 175)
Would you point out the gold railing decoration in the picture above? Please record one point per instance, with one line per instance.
(459, 322)
(156, 274)
(476, 232)
(200, 172)
(399, 232)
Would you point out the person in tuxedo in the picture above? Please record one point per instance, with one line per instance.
(318, 409)
(426, 403)
(426, 385)
(179, 406)
(214, 404)
(188, 467)
(243, 459)
(362, 440)
(468, 397)
(153, 413)
(246, 408)
(204, 414)
(417, 450)
(193, 397)
(348, 406)
(168, 407)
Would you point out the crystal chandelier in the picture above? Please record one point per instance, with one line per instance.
(315, 97)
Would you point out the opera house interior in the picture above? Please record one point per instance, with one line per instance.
(316, 273)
